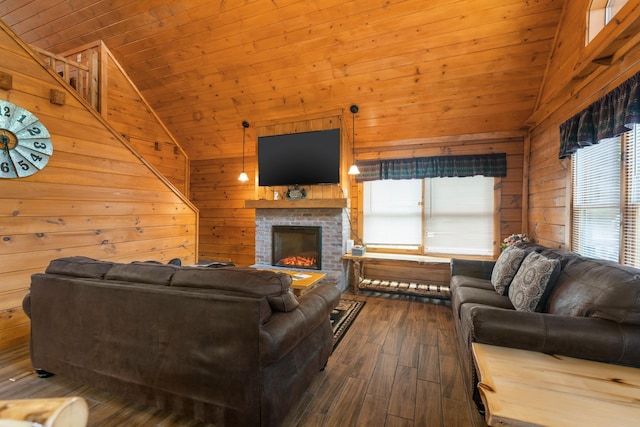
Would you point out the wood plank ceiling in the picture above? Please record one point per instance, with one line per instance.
(418, 69)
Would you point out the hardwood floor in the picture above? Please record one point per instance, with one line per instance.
(396, 366)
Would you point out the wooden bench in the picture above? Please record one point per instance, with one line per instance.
(403, 274)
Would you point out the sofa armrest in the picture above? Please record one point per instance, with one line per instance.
(472, 267)
(582, 337)
(285, 330)
(26, 305)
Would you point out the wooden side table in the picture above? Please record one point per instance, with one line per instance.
(527, 388)
(53, 412)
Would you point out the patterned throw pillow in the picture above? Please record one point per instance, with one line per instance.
(506, 268)
(533, 282)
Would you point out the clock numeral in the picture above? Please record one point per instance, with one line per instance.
(40, 145)
(34, 131)
(7, 169)
(21, 119)
(36, 158)
(7, 111)
(24, 165)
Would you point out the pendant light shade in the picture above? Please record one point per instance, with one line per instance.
(243, 175)
(353, 170)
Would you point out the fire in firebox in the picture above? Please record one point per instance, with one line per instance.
(297, 246)
(297, 261)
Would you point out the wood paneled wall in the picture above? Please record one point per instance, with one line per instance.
(571, 84)
(130, 114)
(227, 228)
(97, 197)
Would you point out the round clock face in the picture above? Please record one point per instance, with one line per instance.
(25, 144)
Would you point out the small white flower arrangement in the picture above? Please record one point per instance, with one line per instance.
(515, 239)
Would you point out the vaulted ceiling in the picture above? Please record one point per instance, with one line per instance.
(417, 69)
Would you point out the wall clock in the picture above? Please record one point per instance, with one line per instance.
(25, 144)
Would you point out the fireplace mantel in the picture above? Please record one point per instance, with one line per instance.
(293, 204)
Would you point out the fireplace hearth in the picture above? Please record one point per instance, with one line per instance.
(297, 247)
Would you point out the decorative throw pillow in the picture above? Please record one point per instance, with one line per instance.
(533, 282)
(506, 268)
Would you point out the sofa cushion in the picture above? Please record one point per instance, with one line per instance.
(142, 272)
(506, 268)
(468, 295)
(250, 281)
(79, 266)
(597, 288)
(469, 282)
(533, 282)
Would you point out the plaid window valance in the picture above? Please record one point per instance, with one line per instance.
(431, 167)
(612, 115)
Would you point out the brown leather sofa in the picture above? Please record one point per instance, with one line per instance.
(590, 310)
(231, 346)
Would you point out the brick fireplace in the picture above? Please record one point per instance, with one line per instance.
(334, 225)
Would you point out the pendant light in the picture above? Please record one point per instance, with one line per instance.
(353, 170)
(243, 175)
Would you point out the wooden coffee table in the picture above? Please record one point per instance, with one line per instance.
(301, 281)
(527, 388)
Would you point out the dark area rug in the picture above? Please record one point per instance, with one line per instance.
(342, 318)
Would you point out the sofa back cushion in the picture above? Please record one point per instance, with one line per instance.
(597, 288)
(250, 281)
(561, 255)
(79, 266)
(143, 272)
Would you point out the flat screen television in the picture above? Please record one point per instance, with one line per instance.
(304, 158)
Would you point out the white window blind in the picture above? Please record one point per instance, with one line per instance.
(393, 213)
(459, 215)
(631, 237)
(596, 200)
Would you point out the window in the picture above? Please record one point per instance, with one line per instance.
(600, 13)
(459, 215)
(430, 216)
(606, 199)
(393, 213)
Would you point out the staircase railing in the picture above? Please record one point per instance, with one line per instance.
(80, 70)
(85, 70)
